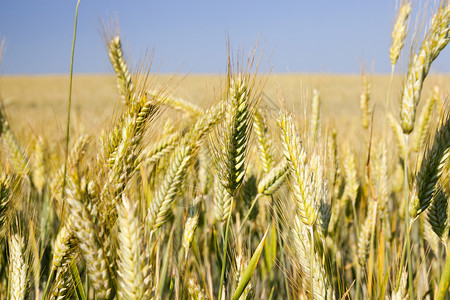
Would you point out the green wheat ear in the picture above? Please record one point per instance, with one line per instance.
(236, 131)
(431, 169)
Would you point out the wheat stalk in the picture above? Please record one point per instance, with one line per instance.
(366, 232)
(13, 148)
(302, 243)
(351, 182)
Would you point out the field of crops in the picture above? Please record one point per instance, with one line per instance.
(240, 186)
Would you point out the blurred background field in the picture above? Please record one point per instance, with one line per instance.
(37, 105)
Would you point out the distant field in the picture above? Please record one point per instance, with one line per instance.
(37, 104)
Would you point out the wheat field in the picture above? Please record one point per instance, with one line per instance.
(246, 185)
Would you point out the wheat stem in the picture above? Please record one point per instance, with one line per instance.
(69, 105)
(224, 254)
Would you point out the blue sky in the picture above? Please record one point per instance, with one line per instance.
(190, 36)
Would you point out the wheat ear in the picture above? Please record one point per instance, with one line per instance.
(302, 244)
(435, 40)
(366, 232)
(38, 173)
(431, 169)
(233, 145)
(64, 246)
(314, 127)
(301, 183)
(264, 141)
(17, 268)
(163, 201)
(273, 180)
(6, 202)
(131, 252)
(177, 103)
(364, 102)
(63, 286)
(421, 134)
(191, 224)
(438, 214)
(222, 201)
(399, 32)
(398, 134)
(90, 245)
(124, 80)
(13, 148)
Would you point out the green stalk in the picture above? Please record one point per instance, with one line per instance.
(224, 256)
(49, 283)
(283, 260)
(52, 272)
(247, 215)
(445, 280)
(311, 269)
(388, 100)
(402, 259)
(76, 280)
(358, 268)
(66, 155)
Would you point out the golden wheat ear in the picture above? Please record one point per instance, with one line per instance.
(90, 245)
(6, 203)
(113, 45)
(435, 40)
(18, 158)
(364, 104)
(314, 124)
(132, 265)
(63, 287)
(164, 200)
(399, 32)
(17, 267)
(424, 121)
(264, 140)
(300, 170)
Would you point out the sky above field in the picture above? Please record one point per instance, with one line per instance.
(190, 36)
